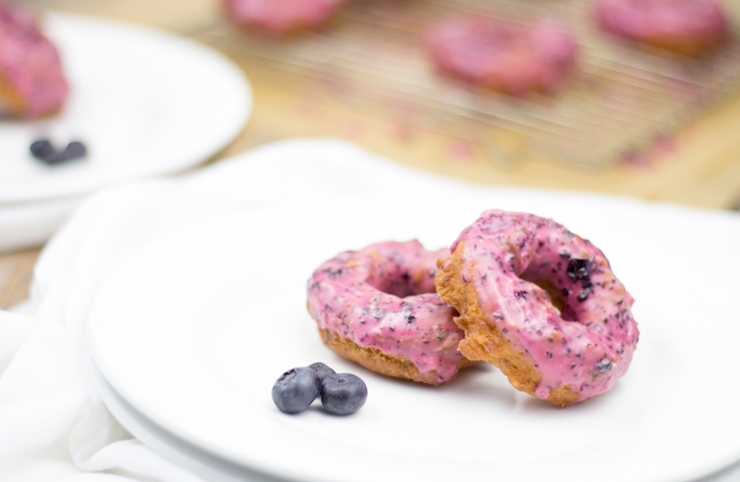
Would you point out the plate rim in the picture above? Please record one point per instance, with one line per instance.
(231, 75)
(245, 213)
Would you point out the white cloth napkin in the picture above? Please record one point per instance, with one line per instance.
(53, 424)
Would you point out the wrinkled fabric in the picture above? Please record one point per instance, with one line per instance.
(53, 423)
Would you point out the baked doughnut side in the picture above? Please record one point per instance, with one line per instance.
(10, 100)
(483, 340)
(373, 359)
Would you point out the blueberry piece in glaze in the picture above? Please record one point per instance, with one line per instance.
(322, 369)
(296, 389)
(343, 393)
(604, 365)
(578, 268)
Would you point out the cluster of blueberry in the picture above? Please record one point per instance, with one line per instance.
(341, 393)
(43, 150)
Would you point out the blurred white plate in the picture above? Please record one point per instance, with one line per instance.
(193, 331)
(144, 102)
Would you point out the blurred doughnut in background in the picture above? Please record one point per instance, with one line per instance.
(32, 82)
(690, 27)
(281, 17)
(505, 56)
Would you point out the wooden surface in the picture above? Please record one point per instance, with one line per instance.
(701, 169)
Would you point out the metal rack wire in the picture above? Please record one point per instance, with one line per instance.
(620, 100)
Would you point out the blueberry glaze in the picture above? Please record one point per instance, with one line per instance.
(554, 299)
(383, 297)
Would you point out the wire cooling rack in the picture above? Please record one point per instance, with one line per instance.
(620, 101)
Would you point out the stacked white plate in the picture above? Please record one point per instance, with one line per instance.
(144, 102)
(186, 355)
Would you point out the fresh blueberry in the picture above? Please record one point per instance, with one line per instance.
(55, 157)
(294, 391)
(42, 149)
(74, 150)
(343, 393)
(322, 370)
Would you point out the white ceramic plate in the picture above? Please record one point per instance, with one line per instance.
(193, 331)
(144, 102)
(208, 465)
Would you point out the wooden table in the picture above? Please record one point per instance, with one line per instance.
(702, 170)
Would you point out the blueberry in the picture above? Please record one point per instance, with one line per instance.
(55, 158)
(604, 365)
(578, 268)
(42, 149)
(343, 393)
(294, 391)
(74, 150)
(321, 369)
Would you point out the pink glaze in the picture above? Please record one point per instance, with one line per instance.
(278, 17)
(505, 56)
(383, 297)
(664, 22)
(29, 66)
(588, 346)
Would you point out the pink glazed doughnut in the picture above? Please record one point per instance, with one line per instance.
(507, 57)
(378, 308)
(281, 17)
(541, 304)
(32, 83)
(690, 27)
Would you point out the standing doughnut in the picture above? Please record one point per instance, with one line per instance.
(378, 308)
(541, 304)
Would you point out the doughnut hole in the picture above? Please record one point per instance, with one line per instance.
(378, 307)
(553, 278)
(556, 297)
(404, 277)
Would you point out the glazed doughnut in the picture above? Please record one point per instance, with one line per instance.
(512, 58)
(689, 27)
(378, 308)
(281, 17)
(32, 83)
(541, 304)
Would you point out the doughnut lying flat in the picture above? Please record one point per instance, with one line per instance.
(378, 308)
(685, 26)
(541, 304)
(512, 58)
(32, 82)
(281, 17)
